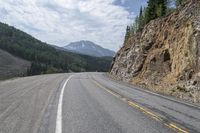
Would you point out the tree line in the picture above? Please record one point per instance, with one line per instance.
(155, 9)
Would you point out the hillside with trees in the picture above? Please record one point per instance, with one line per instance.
(155, 9)
(45, 58)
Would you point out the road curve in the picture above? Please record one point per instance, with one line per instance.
(89, 103)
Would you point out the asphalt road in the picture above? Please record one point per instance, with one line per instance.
(89, 103)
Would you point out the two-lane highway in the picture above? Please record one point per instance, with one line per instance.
(89, 103)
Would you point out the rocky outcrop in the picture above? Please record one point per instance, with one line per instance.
(165, 56)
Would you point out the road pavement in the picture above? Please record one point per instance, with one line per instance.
(89, 103)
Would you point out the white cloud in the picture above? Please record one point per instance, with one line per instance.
(62, 21)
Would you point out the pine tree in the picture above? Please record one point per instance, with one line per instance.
(151, 11)
(161, 7)
(155, 9)
(179, 3)
(137, 21)
(128, 33)
(141, 20)
(133, 29)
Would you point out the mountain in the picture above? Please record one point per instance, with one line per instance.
(43, 57)
(89, 48)
(165, 56)
(60, 48)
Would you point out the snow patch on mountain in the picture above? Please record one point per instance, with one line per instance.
(89, 48)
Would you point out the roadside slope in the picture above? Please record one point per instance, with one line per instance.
(12, 66)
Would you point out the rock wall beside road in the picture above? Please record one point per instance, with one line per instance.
(165, 56)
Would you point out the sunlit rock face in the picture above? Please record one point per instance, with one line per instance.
(165, 56)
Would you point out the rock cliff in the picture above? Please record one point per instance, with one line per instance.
(165, 56)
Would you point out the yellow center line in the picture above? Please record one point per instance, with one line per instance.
(109, 91)
(143, 110)
(177, 128)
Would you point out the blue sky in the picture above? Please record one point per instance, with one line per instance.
(60, 22)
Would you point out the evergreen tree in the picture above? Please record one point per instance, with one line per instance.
(161, 8)
(133, 29)
(179, 3)
(128, 33)
(137, 21)
(155, 9)
(141, 20)
(151, 11)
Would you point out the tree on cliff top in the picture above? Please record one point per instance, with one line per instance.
(155, 9)
(179, 2)
(128, 34)
(141, 19)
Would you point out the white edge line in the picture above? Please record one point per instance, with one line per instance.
(59, 110)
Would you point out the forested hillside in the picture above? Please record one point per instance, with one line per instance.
(45, 58)
(154, 9)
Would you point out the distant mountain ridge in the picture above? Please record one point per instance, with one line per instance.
(89, 48)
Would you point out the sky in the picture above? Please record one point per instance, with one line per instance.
(59, 22)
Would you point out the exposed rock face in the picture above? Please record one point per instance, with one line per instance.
(165, 57)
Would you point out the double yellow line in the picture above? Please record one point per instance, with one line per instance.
(170, 125)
